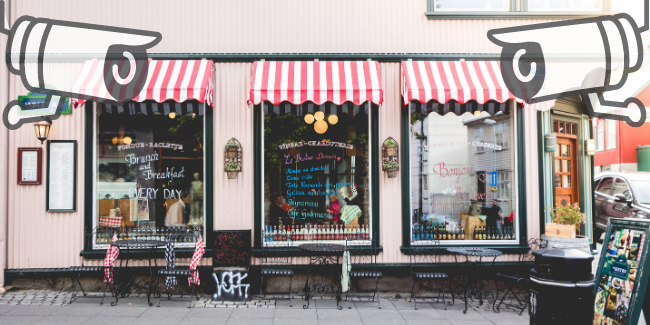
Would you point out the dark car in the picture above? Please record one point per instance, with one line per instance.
(621, 195)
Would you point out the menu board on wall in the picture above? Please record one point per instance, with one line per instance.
(621, 276)
(61, 175)
(29, 166)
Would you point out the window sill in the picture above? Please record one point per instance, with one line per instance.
(297, 252)
(550, 15)
(505, 249)
(99, 254)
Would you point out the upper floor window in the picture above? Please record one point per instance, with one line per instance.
(472, 5)
(611, 134)
(565, 5)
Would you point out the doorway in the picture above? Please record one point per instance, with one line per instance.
(566, 164)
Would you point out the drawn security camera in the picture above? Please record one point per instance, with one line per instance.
(585, 57)
(34, 42)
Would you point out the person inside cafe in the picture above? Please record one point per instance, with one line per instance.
(494, 215)
(178, 212)
(280, 210)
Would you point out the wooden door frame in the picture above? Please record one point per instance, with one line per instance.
(575, 171)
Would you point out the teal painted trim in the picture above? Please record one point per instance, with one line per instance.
(374, 177)
(442, 250)
(295, 251)
(88, 169)
(257, 176)
(540, 171)
(547, 169)
(521, 174)
(208, 160)
(586, 181)
(593, 195)
(406, 177)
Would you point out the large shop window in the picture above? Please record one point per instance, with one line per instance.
(149, 170)
(316, 172)
(467, 159)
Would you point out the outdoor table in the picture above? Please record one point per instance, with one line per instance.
(136, 250)
(475, 291)
(319, 255)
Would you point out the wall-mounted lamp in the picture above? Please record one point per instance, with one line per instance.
(42, 130)
(590, 147)
(550, 141)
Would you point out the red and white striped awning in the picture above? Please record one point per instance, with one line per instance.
(316, 81)
(461, 81)
(177, 80)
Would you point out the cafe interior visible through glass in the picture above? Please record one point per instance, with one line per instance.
(462, 172)
(149, 172)
(316, 172)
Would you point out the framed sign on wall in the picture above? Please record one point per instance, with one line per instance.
(61, 176)
(29, 166)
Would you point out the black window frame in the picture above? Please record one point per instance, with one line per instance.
(518, 10)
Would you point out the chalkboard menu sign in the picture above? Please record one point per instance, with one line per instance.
(232, 247)
(621, 278)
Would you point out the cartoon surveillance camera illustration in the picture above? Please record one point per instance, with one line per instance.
(585, 57)
(35, 42)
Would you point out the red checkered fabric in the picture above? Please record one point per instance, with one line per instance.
(112, 222)
(196, 258)
(109, 260)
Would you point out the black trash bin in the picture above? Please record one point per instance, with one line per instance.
(562, 287)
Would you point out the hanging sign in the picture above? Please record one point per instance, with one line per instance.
(621, 285)
(35, 104)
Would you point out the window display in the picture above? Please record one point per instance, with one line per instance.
(466, 156)
(316, 172)
(149, 169)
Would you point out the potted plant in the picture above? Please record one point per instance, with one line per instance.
(391, 168)
(567, 220)
(231, 149)
(391, 147)
(232, 168)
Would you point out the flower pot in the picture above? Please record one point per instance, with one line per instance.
(391, 151)
(392, 173)
(561, 231)
(232, 174)
(231, 152)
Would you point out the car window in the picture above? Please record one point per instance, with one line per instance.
(620, 187)
(642, 191)
(605, 186)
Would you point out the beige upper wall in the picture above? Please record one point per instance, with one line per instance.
(279, 26)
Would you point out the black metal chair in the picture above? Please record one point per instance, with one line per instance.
(425, 265)
(185, 241)
(519, 276)
(100, 235)
(276, 263)
(363, 261)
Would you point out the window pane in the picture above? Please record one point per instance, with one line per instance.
(558, 168)
(600, 135)
(473, 5)
(150, 170)
(464, 183)
(611, 134)
(566, 166)
(605, 186)
(566, 150)
(620, 187)
(316, 171)
(566, 180)
(565, 5)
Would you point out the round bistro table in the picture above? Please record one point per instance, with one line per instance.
(468, 290)
(321, 254)
(137, 250)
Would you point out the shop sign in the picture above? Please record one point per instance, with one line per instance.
(620, 277)
(35, 104)
(230, 286)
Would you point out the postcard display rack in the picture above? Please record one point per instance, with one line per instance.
(621, 277)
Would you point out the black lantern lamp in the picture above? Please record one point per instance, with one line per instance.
(42, 130)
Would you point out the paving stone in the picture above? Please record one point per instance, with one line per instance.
(62, 320)
(19, 320)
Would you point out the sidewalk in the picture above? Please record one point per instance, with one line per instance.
(48, 307)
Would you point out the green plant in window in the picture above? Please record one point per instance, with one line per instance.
(189, 125)
(390, 165)
(232, 166)
(279, 130)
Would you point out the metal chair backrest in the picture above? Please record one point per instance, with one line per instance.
(185, 241)
(362, 255)
(277, 252)
(424, 253)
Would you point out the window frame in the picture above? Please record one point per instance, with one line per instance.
(258, 160)
(507, 246)
(518, 10)
(90, 180)
(611, 143)
(600, 145)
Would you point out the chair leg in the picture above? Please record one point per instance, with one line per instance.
(162, 287)
(444, 300)
(291, 291)
(261, 287)
(377, 291)
(415, 301)
(74, 289)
